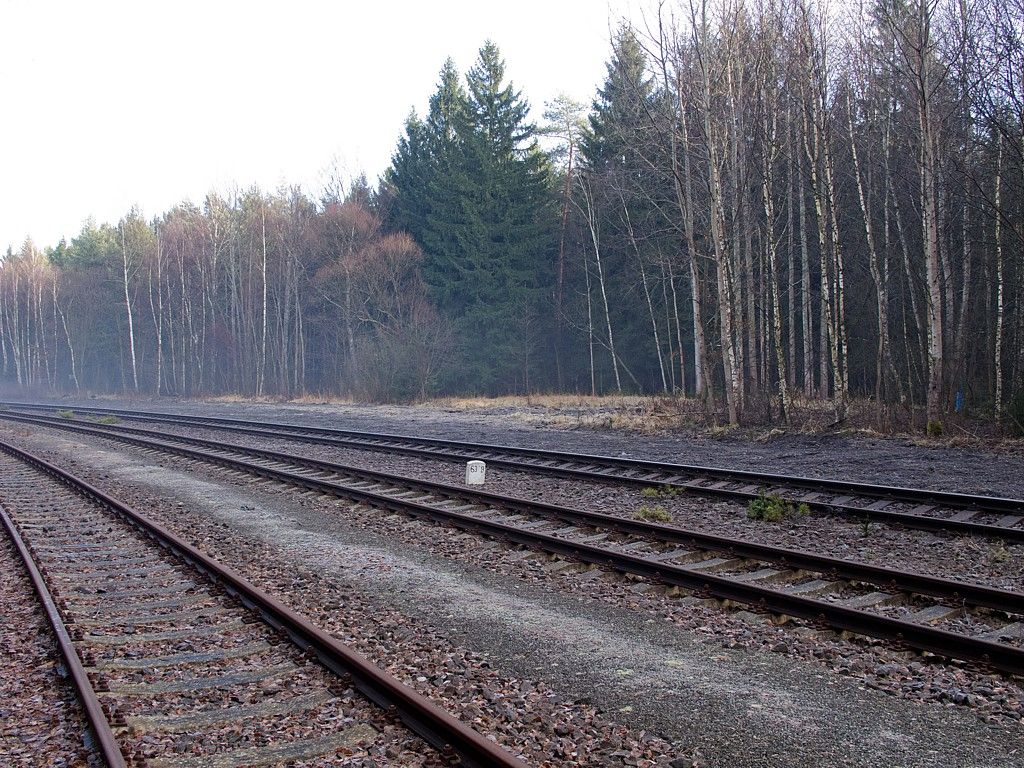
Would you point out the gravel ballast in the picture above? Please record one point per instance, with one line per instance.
(864, 458)
(724, 706)
(40, 718)
(989, 562)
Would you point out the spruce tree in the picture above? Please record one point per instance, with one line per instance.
(620, 118)
(407, 178)
(473, 188)
(426, 155)
(449, 192)
(508, 231)
(620, 157)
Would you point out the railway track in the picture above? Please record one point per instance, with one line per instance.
(180, 663)
(951, 619)
(940, 511)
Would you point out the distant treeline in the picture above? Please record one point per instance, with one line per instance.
(764, 201)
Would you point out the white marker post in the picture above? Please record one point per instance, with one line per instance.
(475, 472)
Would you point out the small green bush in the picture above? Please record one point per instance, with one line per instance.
(770, 508)
(107, 420)
(660, 492)
(656, 514)
(934, 428)
(999, 554)
(66, 414)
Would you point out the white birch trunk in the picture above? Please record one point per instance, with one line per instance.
(128, 311)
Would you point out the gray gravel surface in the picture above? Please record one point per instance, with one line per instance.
(730, 706)
(40, 719)
(526, 716)
(894, 461)
(980, 560)
(359, 733)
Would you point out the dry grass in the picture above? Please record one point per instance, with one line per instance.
(634, 413)
(314, 399)
(646, 414)
(541, 401)
(307, 399)
(233, 398)
(653, 414)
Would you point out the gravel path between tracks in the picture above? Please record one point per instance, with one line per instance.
(864, 458)
(372, 739)
(528, 717)
(562, 643)
(40, 718)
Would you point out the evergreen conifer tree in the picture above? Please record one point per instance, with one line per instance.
(620, 157)
(620, 115)
(509, 231)
(449, 192)
(425, 157)
(406, 180)
(473, 188)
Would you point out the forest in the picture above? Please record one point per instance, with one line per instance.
(766, 203)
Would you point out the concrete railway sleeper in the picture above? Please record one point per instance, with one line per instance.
(955, 513)
(171, 653)
(950, 619)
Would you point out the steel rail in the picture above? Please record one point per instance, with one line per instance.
(106, 742)
(921, 637)
(968, 593)
(449, 450)
(435, 726)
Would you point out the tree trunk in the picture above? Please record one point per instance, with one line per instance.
(684, 197)
(920, 52)
(805, 282)
(128, 312)
(812, 149)
(885, 372)
(840, 348)
(998, 356)
(790, 262)
(647, 292)
(560, 277)
(262, 369)
(769, 152)
(71, 349)
(592, 225)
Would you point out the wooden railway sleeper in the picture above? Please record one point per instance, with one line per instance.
(963, 644)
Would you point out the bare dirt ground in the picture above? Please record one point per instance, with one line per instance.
(995, 468)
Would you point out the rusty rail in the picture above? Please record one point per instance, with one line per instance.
(106, 742)
(921, 637)
(435, 726)
(642, 473)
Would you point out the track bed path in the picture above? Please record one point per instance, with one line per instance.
(793, 583)
(737, 708)
(40, 720)
(187, 677)
(999, 519)
(992, 563)
(883, 460)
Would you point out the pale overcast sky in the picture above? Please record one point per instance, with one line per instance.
(110, 104)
